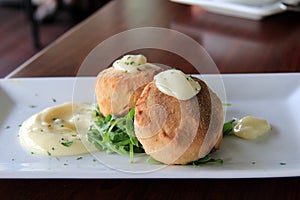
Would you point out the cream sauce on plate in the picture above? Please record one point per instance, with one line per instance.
(57, 130)
(250, 127)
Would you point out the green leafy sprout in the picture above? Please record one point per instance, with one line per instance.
(115, 134)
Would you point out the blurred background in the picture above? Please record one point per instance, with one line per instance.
(27, 26)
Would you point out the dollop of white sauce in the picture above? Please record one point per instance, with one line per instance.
(130, 63)
(250, 127)
(56, 130)
(177, 84)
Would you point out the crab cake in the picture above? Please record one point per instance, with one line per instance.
(118, 87)
(175, 131)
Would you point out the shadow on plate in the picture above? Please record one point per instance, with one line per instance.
(6, 104)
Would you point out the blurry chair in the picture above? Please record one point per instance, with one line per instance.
(78, 10)
(29, 9)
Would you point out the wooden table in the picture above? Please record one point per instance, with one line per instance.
(236, 45)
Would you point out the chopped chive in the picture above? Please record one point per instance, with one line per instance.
(79, 158)
(49, 154)
(32, 106)
(67, 144)
(282, 163)
(7, 127)
(54, 100)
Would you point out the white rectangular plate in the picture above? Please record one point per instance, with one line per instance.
(274, 97)
(243, 9)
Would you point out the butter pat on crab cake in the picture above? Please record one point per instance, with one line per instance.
(178, 118)
(118, 87)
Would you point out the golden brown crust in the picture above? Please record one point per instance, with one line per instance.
(118, 91)
(178, 132)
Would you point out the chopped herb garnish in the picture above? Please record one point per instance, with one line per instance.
(253, 163)
(53, 148)
(7, 127)
(32, 106)
(282, 163)
(62, 125)
(66, 164)
(227, 104)
(49, 154)
(138, 69)
(20, 125)
(79, 158)
(132, 62)
(32, 152)
(188, 78)
(67, 144)
(54, 100)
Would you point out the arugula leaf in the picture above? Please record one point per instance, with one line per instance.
(205, 160)
(153, 161)
(200, 161)
(228, 127)
(115, 134)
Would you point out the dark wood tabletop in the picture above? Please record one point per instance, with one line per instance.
(236, 45)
